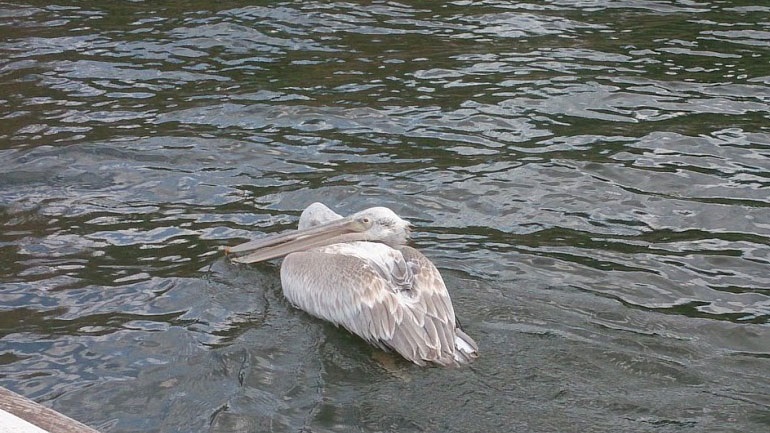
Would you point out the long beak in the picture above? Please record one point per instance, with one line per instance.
(342, 230)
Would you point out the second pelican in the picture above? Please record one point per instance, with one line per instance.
(359, 273)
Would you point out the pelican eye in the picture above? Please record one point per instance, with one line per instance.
(366, 221)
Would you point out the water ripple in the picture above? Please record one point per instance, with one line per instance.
(590, 177)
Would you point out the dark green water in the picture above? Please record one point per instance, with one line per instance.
(592, 178)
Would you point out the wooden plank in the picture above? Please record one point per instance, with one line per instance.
(18, 409)
(10, 423)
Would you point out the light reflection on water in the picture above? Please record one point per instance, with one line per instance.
(590, 177)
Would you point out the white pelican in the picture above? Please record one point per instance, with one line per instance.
(359, 273)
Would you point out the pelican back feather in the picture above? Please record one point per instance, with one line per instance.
(393, 298)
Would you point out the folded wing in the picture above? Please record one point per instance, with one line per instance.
(395, 299)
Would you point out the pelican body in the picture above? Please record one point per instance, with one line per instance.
(357, 272)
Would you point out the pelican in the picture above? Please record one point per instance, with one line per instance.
(357, 272)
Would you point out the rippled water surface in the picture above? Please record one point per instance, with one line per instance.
(591, 177)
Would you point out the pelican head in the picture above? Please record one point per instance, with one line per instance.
(383, 225)
(376, 224)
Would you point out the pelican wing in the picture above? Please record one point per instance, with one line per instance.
(398, 302)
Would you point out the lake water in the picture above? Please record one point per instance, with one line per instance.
(592, 178)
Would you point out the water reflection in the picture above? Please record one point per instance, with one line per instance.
(591, 177)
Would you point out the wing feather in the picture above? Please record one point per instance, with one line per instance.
(399, 301)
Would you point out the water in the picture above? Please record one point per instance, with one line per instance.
(590, 177)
